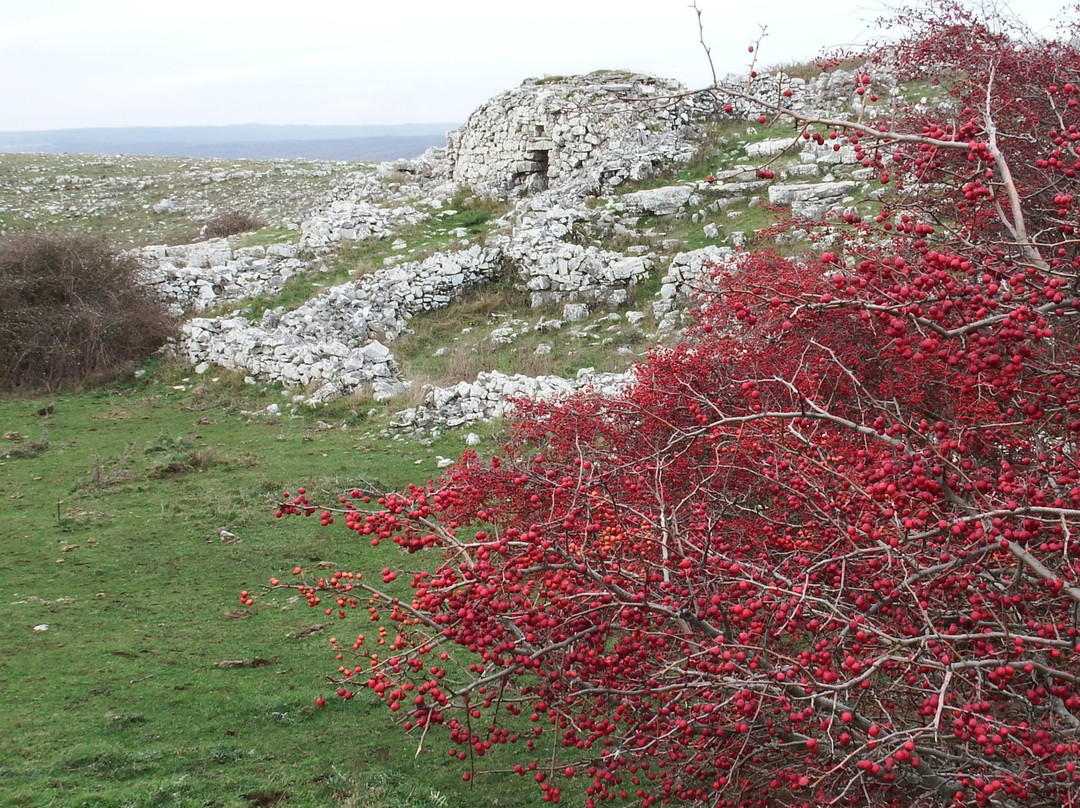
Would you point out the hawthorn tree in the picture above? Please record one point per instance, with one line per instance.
(824, 551)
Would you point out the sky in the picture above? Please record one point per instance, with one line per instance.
(107, 63)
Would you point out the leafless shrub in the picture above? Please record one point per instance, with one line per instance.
(74, 313)
(229, 224)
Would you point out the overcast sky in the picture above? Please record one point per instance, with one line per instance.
(81, 63)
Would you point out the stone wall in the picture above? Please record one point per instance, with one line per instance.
(542, 249)
(193, 277)
(834, 94)
(594, 132)
(335, 342)
(687, 276)
(491, 395)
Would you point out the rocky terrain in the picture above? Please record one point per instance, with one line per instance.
(595, 199)
(143, 200)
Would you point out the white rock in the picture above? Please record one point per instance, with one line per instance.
(575, 312)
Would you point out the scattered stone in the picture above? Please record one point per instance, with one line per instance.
(257, 662)
(228, 537)
(303, 634)
(492, 394)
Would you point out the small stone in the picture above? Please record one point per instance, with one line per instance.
(575, 312)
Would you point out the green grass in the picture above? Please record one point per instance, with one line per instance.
(120, 702)
(272, 234)
(298, 289)
(448, 345)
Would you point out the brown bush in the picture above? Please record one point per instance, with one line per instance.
(74, 312)
(229, 224)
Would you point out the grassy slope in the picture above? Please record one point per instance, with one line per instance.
(120, 702)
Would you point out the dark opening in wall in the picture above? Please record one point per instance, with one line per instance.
(531, 174)
(542, 160)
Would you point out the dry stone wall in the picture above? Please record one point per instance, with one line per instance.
(838, 93)
(686, 277)
(375, 204)
(542, 248)
(193, 277)
(588, 134)
(335, 342)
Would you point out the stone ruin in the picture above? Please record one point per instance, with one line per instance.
(585, 135)
(579, 133)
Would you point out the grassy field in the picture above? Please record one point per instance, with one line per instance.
(118, 599)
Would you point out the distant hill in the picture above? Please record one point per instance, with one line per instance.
(250, 141)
